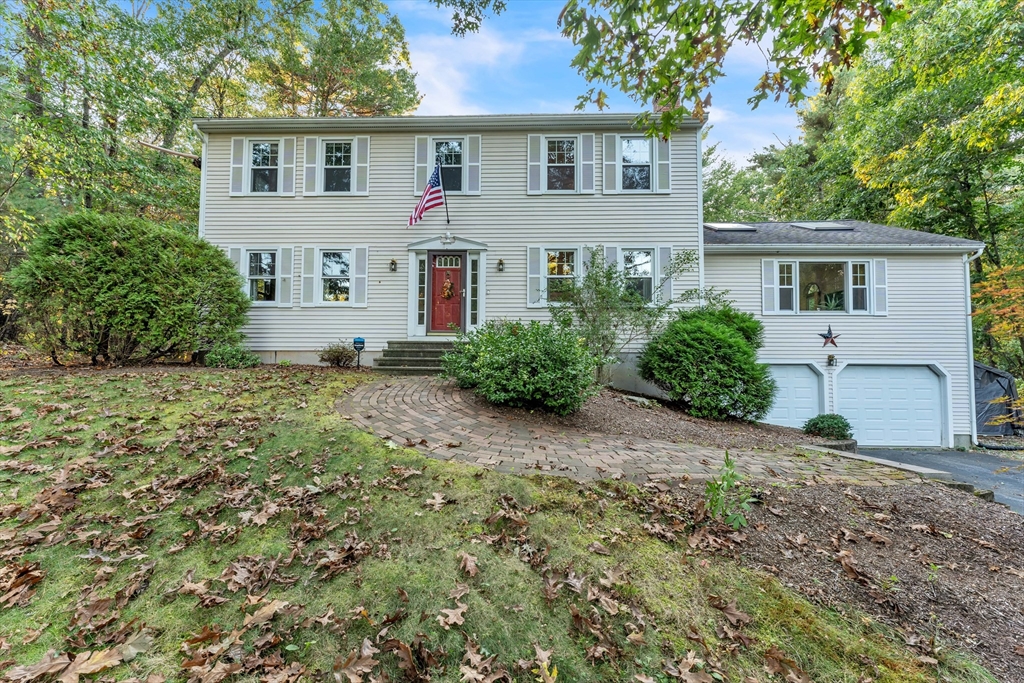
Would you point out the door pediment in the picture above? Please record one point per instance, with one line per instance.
(447, 242)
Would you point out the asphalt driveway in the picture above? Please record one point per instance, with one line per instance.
(1004, 476)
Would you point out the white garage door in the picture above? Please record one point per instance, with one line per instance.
(891, 405)
(799, 395)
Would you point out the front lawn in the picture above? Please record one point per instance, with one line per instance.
(207, 524)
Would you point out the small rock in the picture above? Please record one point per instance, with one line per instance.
(641, 401)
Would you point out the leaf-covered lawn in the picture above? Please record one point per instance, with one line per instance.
(213, 524)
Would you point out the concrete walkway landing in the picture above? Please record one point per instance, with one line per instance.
(455, 426)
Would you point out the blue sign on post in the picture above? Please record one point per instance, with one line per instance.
(359, 344)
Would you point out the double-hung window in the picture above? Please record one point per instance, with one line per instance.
(636, 164)
(262, 276)
(560, 165)
(335, 275)
(449, 154)
(822, 286)
(561, 269)
(638, 268)
(337, 173)
(264, 166)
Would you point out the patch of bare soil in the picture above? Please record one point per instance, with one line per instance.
(930, 561)
(612, 412)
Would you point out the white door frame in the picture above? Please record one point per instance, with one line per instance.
(441, 243)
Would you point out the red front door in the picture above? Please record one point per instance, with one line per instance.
(446, 292)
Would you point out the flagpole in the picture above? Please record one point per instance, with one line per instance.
(440, 179)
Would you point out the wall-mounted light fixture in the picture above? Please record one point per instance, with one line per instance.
(832, 362)
(501, 265)
(393, 266)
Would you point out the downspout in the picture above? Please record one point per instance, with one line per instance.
(700, 217)
(970, 342)
(202, 182)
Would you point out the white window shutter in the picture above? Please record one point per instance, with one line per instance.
(611, 163)
(359, 276)
(288, 167)
(588, 258)
(237, 185)
(664, 261)
(663, 155)
(308, 276)
(422, 168)
(533, 165)
(534, 278)
(769, 281)
(587, 163)
(881, 283)
(284, 278)
(309, 160)
(235, 254)
(611, 255)
(362, 165)
(473, 164)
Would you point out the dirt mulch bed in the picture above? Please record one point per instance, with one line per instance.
(611, 412)
(925, 559)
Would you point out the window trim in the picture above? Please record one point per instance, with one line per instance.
(577, 263)
(277, 274)
(318, 285)
(321, 167)
(247, 179)
(432, 147)
(652, 163)
(544, 163)
(655, 270)
(869, 287)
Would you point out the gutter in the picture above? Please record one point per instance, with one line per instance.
(834, 247)
(970, 342)
(202, 182)
(469, 124)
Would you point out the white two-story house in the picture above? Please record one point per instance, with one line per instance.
(314, 212)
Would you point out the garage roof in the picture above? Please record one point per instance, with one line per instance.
(829, 234)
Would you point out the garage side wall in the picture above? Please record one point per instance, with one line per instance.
(926, 323)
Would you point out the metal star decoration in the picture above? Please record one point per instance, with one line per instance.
(829, 338)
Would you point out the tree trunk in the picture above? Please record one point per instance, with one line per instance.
(184, 108)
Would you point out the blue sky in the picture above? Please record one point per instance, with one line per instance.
(519, 63)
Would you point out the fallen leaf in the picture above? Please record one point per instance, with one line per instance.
(468, 564)
(597, 547)
(453, 617)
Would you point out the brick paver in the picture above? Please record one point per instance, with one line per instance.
(435, 417)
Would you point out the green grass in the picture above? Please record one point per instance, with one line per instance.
(272, 429)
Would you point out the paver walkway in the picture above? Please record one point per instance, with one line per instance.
(446, 423)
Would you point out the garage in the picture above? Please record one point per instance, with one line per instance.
(891, 405)
(799, 395)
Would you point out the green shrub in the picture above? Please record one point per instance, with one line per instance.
(126, 290)
(338, 354)
(830, 426)
(744, 323)
(525, 365)
(232, 356)
(708, 366)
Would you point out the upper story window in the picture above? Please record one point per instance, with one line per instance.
(561, 269)
(638, 267)
(448, 153)
(560, 165)
(262, 276)
(335, 282)
(337, 166)
(823, 287)
(264, 166)
(636, 164)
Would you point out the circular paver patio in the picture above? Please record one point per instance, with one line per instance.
(444, 422)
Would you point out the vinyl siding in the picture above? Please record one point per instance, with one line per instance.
(502, 216)
(926, 322)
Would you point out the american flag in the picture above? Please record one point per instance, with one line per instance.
(433, 196)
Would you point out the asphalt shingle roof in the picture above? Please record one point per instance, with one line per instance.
(853, 234)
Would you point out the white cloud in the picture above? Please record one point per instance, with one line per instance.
(449, 68)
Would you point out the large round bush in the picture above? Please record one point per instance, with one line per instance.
(525, 365)
(710, 367)
(126, 290)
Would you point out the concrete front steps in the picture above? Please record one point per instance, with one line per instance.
(407, 357)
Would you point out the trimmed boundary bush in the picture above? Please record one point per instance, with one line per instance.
(524, 365)
(830, 426)
(706, 360)
(338, 355)
(125, 290)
